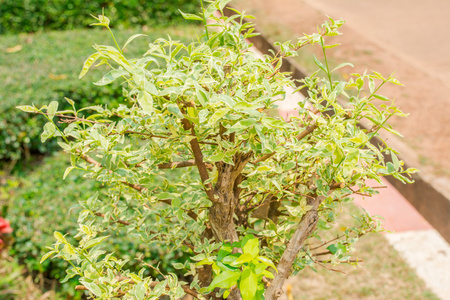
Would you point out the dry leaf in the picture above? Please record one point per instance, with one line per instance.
(57, 77)
(289, 292)
(14, 49)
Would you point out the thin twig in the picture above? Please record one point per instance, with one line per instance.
(98, 214)
(326, 243)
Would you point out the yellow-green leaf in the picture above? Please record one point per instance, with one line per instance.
(88, 63)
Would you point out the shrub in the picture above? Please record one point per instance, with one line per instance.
(267, 190)
(41, 206)
(45, 69)
(35, 15)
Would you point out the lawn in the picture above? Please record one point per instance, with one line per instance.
(44, 67)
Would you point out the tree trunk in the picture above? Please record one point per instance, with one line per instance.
(226, 200)
(306, 226)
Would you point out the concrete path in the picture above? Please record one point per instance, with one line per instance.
(413, 237)
(416, 30)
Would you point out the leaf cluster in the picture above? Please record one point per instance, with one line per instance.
(265, 190)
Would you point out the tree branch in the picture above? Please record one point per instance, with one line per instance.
(126, 223)
(182, 164)
(198, 156)
(135, 186)
(304, 229)
(326, 242)
(308, 130)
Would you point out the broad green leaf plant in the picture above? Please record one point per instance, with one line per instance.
(193, 161)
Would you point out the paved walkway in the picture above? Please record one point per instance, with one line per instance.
(417, 30)
(413, 237)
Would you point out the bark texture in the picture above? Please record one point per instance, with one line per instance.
(306, 226)
(226, 198)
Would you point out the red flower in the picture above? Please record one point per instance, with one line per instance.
(4, 226)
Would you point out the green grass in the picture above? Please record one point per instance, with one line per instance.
(46, 69)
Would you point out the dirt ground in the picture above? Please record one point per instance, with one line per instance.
(407, 37)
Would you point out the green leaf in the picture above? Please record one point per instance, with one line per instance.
(224, 251)
(395, 161)
(67, 171)
(217, 115)
(216, 157)
(145, 101)
(248, 284)
(380, 97)
(88, 63)
(93, 288)
(131, 38)
(251, 247)
(319, 64)
(151, 88)
(227, 100)
(95, 242)
(174, 109)
(205, 261)
(202, 96)
(244, 258)
(338, 155)
(224, 280)
(116, 55)
(47, 255)
(268, 274)
(198, 257)
(390, 167)
(248, 106)
(230, 259)
(59, 237)
(259, 268)
(266, 261)
(139, 291)
(26, 108)
(263, 168)
(331, 46)
(70, 274)
(334, 248)
(343, 65)
(103, 21)
(221, 4)
(52, 108)
(178, 266)
(111, 76)
(49, 131)
(393, 131)
(190, 16)
(371, 85)
(164, 195)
